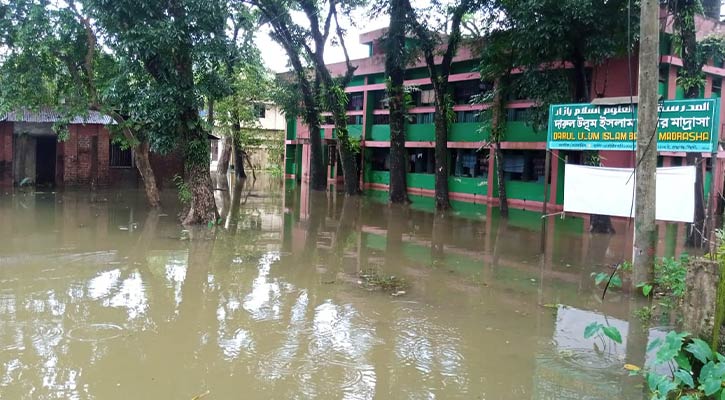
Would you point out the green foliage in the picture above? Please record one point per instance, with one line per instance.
(697, 371)
(670, 274)
(529, 33)
(595, 328)
(183, 189)
(614, 279)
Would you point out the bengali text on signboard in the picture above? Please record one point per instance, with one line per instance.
(682, 125)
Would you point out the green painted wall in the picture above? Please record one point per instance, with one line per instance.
(520, 131)
(380, 132)
(357, 81)
(532, 191)
(461, 132)
(355, 131)
(290, 162)
(419, 132)
(468, 132)
(477, 186)
(291, 129)
(679, 92)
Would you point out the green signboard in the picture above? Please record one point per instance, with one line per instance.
(683, 125)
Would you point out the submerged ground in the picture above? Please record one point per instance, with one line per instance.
(299, 295)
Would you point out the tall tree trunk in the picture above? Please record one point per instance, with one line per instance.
(696, 233)
(347, 155)
(222, 166)
(143, 164)
(441, 147)
(597, 223)
(141, 157)
(498, 130)
(239, 160)
(395, 69)
(196, 163)
(318, 173)
(500, 181)
(685, 23)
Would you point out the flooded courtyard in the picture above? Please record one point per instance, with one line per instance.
(297, 295)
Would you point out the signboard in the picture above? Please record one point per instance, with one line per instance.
(683, 125)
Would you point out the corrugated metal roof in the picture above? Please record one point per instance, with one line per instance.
(46, 115)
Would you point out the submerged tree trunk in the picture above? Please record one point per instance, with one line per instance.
(202, 209)
(143, 164)
(318, 172)
(347, 156)
(500, 181)
(395, 68)
(140, 150)
(239, 155)
(222, 166)
(696, 233)
(441, 148)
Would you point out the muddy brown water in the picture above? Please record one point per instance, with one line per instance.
(295, 295)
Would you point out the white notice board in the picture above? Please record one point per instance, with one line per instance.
(609, 191)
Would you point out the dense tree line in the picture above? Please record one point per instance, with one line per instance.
(152, 66)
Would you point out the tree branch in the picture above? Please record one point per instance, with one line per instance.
(90, 50)
(350, 68)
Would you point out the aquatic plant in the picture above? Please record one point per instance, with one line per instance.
(372, 279)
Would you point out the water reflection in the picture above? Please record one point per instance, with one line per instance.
(102, 299)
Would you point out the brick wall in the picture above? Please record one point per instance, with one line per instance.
(6, 153)
(84, 156)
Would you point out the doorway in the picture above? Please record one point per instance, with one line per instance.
(45, 152)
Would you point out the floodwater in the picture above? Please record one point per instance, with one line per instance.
(296, 295)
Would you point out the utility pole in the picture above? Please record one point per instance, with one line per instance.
(645, 230)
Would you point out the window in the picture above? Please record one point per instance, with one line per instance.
(380, 99)
(380, 159)
(119, 157)
(355, 101)
(331, 154)
(422, 161)
(524, 165)
(328, 120)
(425, 118)
(464, 92)
(354, 120)
(260, 110)
(427, 97)
(517, 114)
(469, 163)
(381, 119)
(467, 116)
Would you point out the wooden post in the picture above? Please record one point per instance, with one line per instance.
(645, 232)
(547, 168)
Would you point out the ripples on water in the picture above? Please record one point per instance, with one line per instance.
(275, 308)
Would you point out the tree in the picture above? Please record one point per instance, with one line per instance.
(290, 36)
(395, 63)
(429, 42)
(54, 60)
(497, 62)
(168, 42)
(547, 35)
(320, 17)
(247, 83)
(692, 79)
